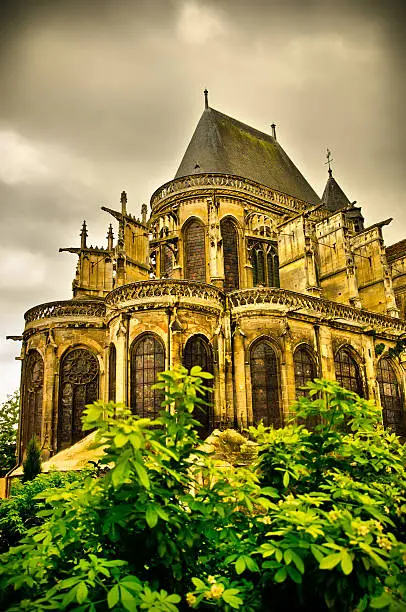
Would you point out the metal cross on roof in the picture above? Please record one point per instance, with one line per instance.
(329, 160)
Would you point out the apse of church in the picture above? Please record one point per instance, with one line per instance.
(239, 268)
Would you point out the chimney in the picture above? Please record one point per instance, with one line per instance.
(273, 126)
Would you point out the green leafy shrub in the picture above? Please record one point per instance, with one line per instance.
(315, 522)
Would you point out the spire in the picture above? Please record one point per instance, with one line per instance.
(333, 197)
(83, 236)
(123, 201)
(329, 160)
(110, 237)
(144, 212)
(273, 126)
(206, 99)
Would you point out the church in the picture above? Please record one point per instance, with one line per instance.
(238, 267)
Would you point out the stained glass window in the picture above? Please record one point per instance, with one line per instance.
(198, 352)
(32, 397)
(195, 254)
(79, 385)
(305, 370)
(347, 372)
(265, 265)
(112, 372)
(230, 254)
(265, 384)
(147, 361)
(391, 398)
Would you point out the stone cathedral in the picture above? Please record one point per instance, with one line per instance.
(239, 267)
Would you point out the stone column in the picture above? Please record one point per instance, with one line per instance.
(287, 374)
(239, 376)
(326, 352)
(122, 361)
(370, 367)
(50, 400)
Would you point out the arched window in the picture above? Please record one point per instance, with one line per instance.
(195, 252)
(391, 398)
(265, 265)
(230, 254)
(199, 352)
(147, 361)
(305, 370)
(112, 372)
(347, 372)
(265, 384)
(79, 385)
(166, 261)
(32, 397)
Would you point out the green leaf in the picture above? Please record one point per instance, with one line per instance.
(127, 600)
(120, 473)
(81, 592)
(120, 439)
(281, 575)
(151, 516)
(330, 561)
(288, 557)
(232, 600)
(195, 371)
(298, 561)
(294, 574)
(142, 474)
(286, 479)
(346, 562)
(113, 596)
(240, 565)
(381, 601)
(199, 584)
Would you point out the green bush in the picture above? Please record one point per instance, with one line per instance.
(32, 464)
(315, 522)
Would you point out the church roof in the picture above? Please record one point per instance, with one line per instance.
(221, 144)
(396, 251)
(334, 197)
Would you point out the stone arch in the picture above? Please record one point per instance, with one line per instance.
(147, 360)
(79, 375)
(305, 366)
(391, 397)
(194, 249)
(347, 364)
(229, 235)
(265, 382)
(198, 351)
(112, 372)
(33, 391)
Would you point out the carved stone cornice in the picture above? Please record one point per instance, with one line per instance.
(245, 300)
(70, 309)
(166, 291)
(227, 183)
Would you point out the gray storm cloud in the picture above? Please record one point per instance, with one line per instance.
(103, 96)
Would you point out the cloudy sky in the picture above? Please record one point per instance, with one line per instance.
(99, 96)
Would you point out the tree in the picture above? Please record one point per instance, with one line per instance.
(32, 464)
(9, 413)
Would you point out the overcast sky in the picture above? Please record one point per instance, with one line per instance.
(99, 96)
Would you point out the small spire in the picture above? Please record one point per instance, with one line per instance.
(110, 237)
(329, 160)
(123, 201)
(206, 99)
(83, 236)
(273, 126)
(144, 212)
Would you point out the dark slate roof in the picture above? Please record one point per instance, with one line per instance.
(396, 251)
(221, 144)
(334, 197)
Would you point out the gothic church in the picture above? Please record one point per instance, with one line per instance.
(239, 267)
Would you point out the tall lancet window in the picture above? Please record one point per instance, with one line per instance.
(112, 373)
(33, 386)
(195, 251)
(79, 385)
(147, 361)
(230, 254)
(391, 398)
(347, 372)
(199, 352)
(265, 265)
(265, 384)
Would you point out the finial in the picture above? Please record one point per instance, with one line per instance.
(273, 126)
(123, 201)
(329, 160)
(83, 235)
(206, 99)
(110, 237)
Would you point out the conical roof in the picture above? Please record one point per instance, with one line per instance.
(334, 197)
(221, 144)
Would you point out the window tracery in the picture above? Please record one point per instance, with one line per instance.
(347, 372)
(32, 397)
(265, 264)
(147, 361)
(195, 252)
(199, 352)
(305, 370)
(112, 372)
(391, 398)
(230, 254)
(265, 384)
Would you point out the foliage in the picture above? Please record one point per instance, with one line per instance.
(18, 513)
(314, 523)
(9, 412)
(32, 463)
